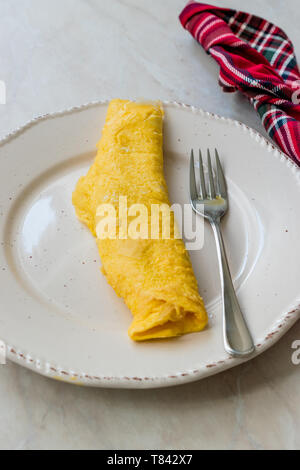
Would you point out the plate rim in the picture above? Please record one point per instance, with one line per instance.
(49, 369)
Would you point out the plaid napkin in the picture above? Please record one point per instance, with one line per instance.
(257, 58)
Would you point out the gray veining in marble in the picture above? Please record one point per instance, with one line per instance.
(55, 54)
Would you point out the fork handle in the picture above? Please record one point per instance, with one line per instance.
(237, 338)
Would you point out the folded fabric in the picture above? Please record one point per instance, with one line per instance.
(257, 58)
(154, 276)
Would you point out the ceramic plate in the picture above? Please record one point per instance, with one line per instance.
(59, 316)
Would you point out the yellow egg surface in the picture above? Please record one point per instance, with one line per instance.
(153, 276)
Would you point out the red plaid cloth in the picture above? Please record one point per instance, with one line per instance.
(257, 58)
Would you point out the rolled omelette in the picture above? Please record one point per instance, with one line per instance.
(153, 276)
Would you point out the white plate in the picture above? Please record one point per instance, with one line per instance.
(59, 316)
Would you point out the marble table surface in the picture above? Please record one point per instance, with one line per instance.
(55, 54)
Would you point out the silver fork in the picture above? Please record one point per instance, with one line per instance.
(212, 203)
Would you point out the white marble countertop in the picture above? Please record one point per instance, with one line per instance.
(55, 54)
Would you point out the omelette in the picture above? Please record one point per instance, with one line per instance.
(153, 275)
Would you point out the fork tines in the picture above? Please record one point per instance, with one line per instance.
(213, 187)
